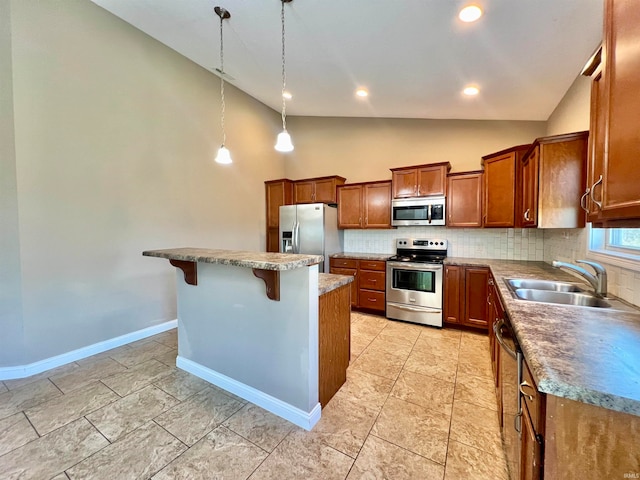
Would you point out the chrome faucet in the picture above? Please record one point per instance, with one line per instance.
(597, 281)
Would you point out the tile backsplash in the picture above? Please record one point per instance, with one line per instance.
(566, 245)
(503, 243)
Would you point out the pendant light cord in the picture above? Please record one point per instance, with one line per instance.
(222, 104)
(284, 74)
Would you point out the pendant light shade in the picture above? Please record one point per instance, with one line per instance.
(283, 143)
(223, 156)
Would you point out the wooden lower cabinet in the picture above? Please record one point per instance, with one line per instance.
(334, 337)
(465, 296)
(496, 313)
(368, 289)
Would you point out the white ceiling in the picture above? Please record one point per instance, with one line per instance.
(414, 56)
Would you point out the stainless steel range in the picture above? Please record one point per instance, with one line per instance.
(414, 281)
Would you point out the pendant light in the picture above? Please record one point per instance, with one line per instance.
(283, 143)
(223, 155)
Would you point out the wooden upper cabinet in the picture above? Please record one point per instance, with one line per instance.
(350, 206)
(501, 199)
(464, 199)
(316, 190)
(377, 204)
(595, 165)
(277, 193)
(420, 180)
(553, 179)
(618, 192)
(364, 205)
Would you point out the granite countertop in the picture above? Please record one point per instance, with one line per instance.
(363, 256)
(328, 282)
(238, 258)
(591, 355)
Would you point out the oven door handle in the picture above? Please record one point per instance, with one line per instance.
(413, 309)
(424, 267)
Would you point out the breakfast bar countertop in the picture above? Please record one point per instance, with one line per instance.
(591, 355)
(328, 282)
(238, 258)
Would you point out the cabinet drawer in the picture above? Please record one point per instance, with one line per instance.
(343, 262)
(373, 265)
(372, 280)
(371, 299)
(531, 398)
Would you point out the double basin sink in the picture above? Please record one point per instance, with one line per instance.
(547, 291)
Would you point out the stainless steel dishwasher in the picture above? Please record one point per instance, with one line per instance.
(510, 377)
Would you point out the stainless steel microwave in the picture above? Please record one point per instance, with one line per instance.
(418, 211)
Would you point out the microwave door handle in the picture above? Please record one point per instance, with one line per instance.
(429, 214)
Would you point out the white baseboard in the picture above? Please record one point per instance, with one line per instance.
(22, 371)
(295, 415)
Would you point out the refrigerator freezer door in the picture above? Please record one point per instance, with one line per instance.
(310, 234)
(287, 228)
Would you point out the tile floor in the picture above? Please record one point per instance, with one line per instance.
(418, 404)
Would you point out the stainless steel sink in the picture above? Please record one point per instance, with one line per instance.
(527, 283)
(563, 298)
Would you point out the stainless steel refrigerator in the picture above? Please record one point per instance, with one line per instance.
(312, 229)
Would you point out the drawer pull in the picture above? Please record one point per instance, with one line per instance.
(526, 395)
(373, 299)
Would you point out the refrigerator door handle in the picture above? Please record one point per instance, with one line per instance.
(296, 237)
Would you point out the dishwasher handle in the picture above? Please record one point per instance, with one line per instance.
(497, 330)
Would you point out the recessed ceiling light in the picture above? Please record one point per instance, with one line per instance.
(470, 13)
(471, 91)
(287, 95)
(362, 92)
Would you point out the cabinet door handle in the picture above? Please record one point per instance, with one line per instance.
(583, 199)
(526, 215)
(593, 189)
(524, 394)
(373, 280)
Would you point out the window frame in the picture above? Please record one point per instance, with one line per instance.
(600, 248)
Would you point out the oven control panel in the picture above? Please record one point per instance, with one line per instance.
(421, 244)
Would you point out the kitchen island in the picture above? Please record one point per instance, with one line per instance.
(248, 322)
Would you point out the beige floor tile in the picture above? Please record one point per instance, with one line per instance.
(137, 377)
(477, 390)
(476, 426)
(52, 454)
(89, 372)
(472, 339)
(425, 391)
(168, 338)
(302, 456)
(168, 358)
(259, 426)
(443, 346)
(15, 431)
(475, 361)
(60, 411)
(380, 363)
(222, 454)
(121, 417)
(439, 366)
(21, 382)
(140, 352)
(373, 320)
(27, 396)
(366, 389)
(181, 384)
(463, 459)
(433, 332)
(366, 330)
(140, 454)
(3, 388)
(198, 415)
(62, 476)
(416, 428)
(389, 345)
(344, 425)
(102, 355)
(381, 460)
(401, 331)
(358, 344)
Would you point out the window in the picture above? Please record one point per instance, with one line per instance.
(620, 245)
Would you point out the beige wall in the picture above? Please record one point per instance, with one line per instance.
(115, 136)
(572, 113)
(363, 149)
